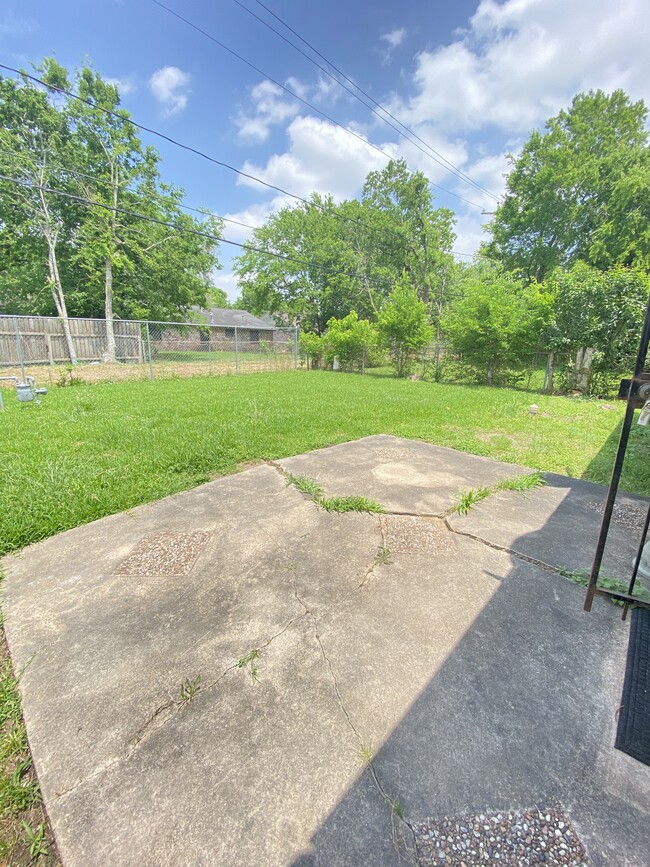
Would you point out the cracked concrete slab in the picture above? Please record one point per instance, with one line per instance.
(473, 679)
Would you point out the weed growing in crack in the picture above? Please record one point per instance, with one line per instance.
(306, 486)
(349, 504)
(250, 659)
(521, 483)
(466, 499)
(383, 556)
(398, 809)
(366, 753)
(190, 688)
(616, 584)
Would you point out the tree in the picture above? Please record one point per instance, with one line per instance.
(578, 191)
(416, 237)
(311, 278)
(597, 317)
(35, 224)
(404, 326)
(497, 322)
(110, 254)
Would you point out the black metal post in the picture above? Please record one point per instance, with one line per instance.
(618, 463)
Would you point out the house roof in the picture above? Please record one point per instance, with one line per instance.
(228, 318)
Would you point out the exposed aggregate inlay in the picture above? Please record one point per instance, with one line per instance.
(517, 839)
(164, 554)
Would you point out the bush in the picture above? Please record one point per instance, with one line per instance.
(311, 347)
(350, 340)
(404, 326)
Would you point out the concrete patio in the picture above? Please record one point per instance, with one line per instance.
(235, 676)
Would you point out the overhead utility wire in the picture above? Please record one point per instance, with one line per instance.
(435, 155)
(206, 212)
(187, 230)
(188, 148)
(296, 96)
(178, 144)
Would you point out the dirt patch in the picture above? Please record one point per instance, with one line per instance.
(62, 375)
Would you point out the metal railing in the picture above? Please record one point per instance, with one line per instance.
(83, 349)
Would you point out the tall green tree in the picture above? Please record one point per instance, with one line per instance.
(496, 322)
(111, 254)
(579, 191)
(597, 317)
(416, 237)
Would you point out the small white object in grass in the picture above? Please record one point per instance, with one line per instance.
(533, 409)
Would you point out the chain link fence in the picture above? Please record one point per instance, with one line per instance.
(55, 352)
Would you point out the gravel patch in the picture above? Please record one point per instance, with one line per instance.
(625, 514)
(405, 534)
(516, 838)
(164, 554)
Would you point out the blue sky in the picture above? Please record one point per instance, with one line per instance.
(471, 78)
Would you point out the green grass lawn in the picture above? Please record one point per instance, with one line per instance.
(220, 355)
(94, 450)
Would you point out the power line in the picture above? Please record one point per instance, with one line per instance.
(126, 119)
(296, 96)
(435, 155)
(206, 212)
(171, 225)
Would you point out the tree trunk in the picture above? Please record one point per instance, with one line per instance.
(584, 360)
(110, 356)
(59, 297)
(550, 370)
(490, 374)
(48, 227)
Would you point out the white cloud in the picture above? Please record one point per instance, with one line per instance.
(269, 108)
(522, 60)
(170, 86)
(15, 27)
(321, 158)
(394, 38)
(125, 86)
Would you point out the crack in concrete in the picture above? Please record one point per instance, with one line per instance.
(175, 705)
(523, 557)
(408, 855)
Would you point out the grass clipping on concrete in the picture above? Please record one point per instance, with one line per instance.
(333, 504)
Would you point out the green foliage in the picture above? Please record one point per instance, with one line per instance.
(465, 500)
(497, 322)
(581, 578)
(601, 311)
(404, 326)
(90, 261)
(347, 256)
(580, 191)
(251, 660)
(311, 348)
(190, 688)
(349, 339)
(306, 486)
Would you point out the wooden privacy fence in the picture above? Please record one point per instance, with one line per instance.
(43, 342)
